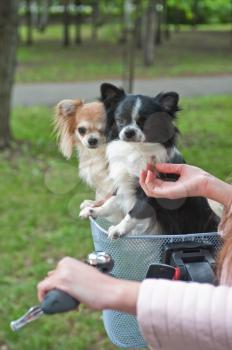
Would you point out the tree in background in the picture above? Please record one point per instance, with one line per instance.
(165, 20)
(43, 14)
(159, 18)
(8, 45)
(78, 38)
(138, 23)
(95, 19)
(149, 42)
(29, 39)
(129, 45)
(122, 38)
(66, 23)
(195, 13)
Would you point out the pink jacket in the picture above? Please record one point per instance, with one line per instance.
(175, 315)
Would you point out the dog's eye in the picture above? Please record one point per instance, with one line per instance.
(120, 123)
(82, 130)
(141, 121)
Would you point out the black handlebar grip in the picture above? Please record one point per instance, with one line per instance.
(57, 301)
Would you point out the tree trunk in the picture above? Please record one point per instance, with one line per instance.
(177, 20)
(95, 16)
(122, 39)
(43, 15)
(66, 22)
(195, 10)
(158, 33)
(8, 45)
(78, 38)
(138, 24)
(149, 46)
(29, 40)
(129, 54)
(165, 20)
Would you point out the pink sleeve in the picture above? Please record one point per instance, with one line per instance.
(178, 315)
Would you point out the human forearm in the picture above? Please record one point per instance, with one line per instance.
(91, 287)
(219, 191)
(177, 315)
(124, 295)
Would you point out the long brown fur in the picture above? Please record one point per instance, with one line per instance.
(67, 119)
(70, 116)
(225, 255)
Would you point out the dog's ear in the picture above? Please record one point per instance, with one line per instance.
(110, 91)
(169, 101)
(68, 108)
(65, 124)
(111, 95)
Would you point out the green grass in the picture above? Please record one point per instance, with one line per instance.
(40, 196)
(206, 51)
(38, 227)
(214, 27)
(206, 126)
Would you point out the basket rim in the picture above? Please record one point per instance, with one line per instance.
(158, 237)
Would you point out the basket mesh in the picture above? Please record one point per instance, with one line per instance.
(132, 256)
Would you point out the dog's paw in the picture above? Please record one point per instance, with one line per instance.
(87, 203)
(114, 232)
(87, 212)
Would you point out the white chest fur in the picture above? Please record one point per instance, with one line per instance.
(126, 161)
(93, 169)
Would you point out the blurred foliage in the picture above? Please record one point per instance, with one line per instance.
(208, 11)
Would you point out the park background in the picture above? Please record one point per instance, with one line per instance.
(63, 49)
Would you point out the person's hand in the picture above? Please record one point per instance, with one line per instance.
(192, 181)
(81, 281)
(91, 287)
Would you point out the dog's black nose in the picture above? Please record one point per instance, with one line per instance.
(129, 133)
(92, 141)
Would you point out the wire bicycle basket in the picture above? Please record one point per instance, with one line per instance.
(133, 255)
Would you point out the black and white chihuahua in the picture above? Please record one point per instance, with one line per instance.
(141, 130)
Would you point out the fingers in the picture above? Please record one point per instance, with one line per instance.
(143, 181)
(142, 177)
(150, 178)
(44, 287)
(147, 177)
(156, 188)
(171, 192)
(169, 168)
(61, 277)
(148, 182)
(150, 167)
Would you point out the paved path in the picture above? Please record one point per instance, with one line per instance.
(51, 93)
